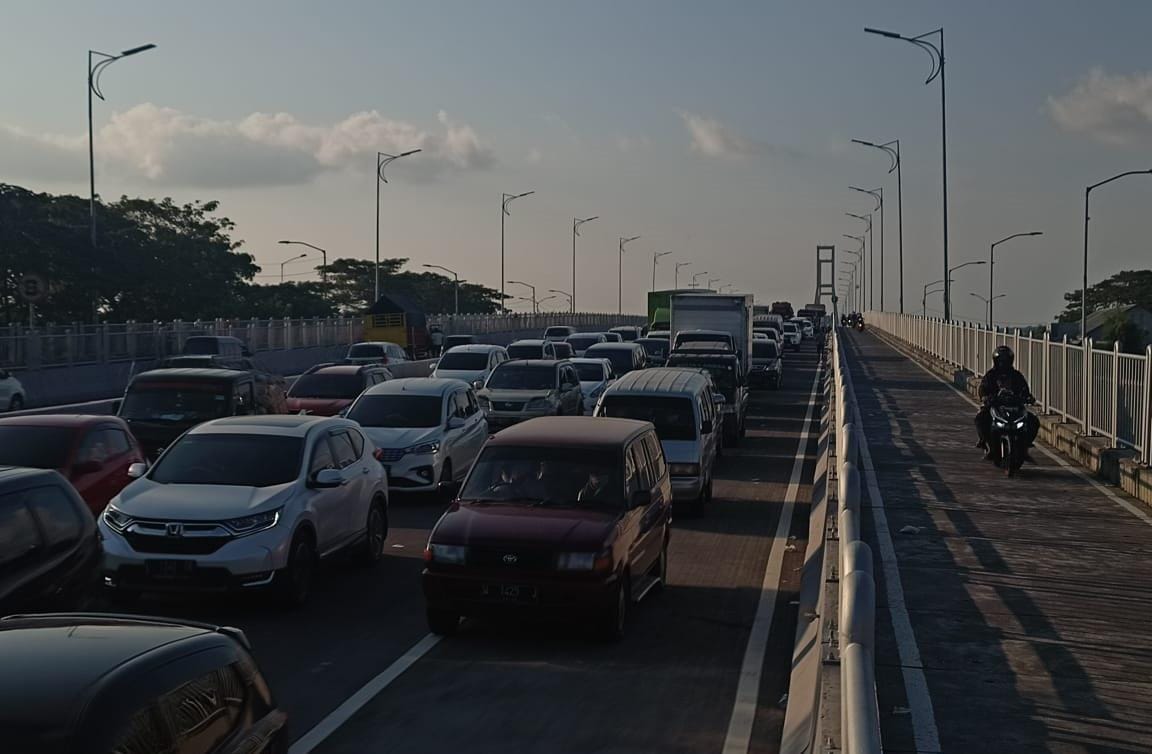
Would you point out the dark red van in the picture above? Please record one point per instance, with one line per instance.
(328, 389)
(563, 516)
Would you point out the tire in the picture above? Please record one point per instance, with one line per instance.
(442, 622)
(371, 550)
(292, 584)
(614, 621)
(447, 485)
(16, 403)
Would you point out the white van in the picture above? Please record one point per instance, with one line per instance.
(679, 403)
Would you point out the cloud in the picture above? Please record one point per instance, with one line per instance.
(712, 138)
(1110, 109)
(166, 146)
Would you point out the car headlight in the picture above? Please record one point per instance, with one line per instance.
(483, 402)
(1019, 424)
(538, 404)
(252, 524)
(446, 554)
(423, 448)
(599, 562)
(116, 519)
(684, 469)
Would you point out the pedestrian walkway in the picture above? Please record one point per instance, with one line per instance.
(1028, 598)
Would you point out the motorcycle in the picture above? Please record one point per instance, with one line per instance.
(859, 325)
(1009, 422)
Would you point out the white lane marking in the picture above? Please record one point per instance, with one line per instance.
(739, 737)
(925, 736)
(350, 706)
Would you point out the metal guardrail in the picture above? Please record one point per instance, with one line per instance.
(1108, 394)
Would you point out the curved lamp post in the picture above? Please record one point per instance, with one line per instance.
(620, 274)
(894, 153)
(286, 261)
(697, 275)
(992, 267)
(878, 195)
(676, 279)
(988, 303)
(566, 294)
(527, 285)
(865, 273)
(655, 256)
(576, 223)
(505, 200)
(383, 160)
(456, 292)
(323, 253)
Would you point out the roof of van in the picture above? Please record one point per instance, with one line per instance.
(570, 432)
(661, 380)
(190, 373)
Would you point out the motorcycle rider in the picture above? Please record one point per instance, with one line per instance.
(1002, 376)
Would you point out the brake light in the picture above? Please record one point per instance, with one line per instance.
(428, 553)
(603, 562)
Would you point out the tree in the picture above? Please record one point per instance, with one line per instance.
(294, 299)
(352, 285)
(1121, 329)
(1123, 288)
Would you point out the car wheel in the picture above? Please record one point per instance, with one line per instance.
(447, 487)
(375, 533)
(614, 621)
(16, 403)
(443, 622)
(293, 583)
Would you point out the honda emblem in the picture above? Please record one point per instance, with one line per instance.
(175, 529)
(510, 559)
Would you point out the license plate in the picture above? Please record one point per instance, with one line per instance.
(170, 570)
(510, 592)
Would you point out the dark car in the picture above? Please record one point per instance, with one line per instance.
(624, 357)
(218, 345)
(49, 549)
(116, 684)
(656, 350)
(628, 333)
(205, 361)
(451, 341)
(729, 377)
(560, 516)
(94, 453)
(327, 389)
(563, 349)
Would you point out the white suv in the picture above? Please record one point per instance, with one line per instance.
(11, 392)
(247, 502)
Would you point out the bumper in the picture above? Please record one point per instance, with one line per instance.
(686, 488)
(415, 473)
(485, 592)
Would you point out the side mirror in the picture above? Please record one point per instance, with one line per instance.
(433, 365)
(641, 498)
(137, 470)
(706, 427)
(86, 467)
(478, 385)
(454, 422)
(719, 399)
(326, 479)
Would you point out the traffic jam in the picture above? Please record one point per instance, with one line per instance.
(561, 464)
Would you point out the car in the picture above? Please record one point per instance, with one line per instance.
(613, 337)
(767, 365)
(760, 336)
(91, 683)
(689, 338)
(94, 453)
(791, 335)
(562, 349)
(559, 332)
(248, 503)
(727, 372)
(451, 341)
(328, 389)
(561, 516)
(50, 558)
(470, 363)
(532, 349)
(582, 340)
(12, 395)
(624, 356)
(768, 332)
(628, 333)
(805, 325)
(655, 349)
(375, 352)
(595, 375)
(429, 431)
(205, 361)
(522, 389)
(661, 334)
(679, 403)
(216, 345)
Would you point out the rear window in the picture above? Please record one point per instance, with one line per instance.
(365, 351)
(547, 478)
(35, 447)
(525, 352)
(556, 332)
(582, 341)
(764, 349)
(327, 386)
(621, 358)
(673, 416)
(204, 344)
(654, 347)
(590, 372)
(463, 360)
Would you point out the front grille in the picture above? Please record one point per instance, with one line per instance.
(195, 539)
(507, 405)
(391, 455)
(525, 560)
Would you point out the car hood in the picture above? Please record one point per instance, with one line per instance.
(516, 395)
(400, 437)
(198, 502)
(319, 406)
(468, 375)
(681, 451)
(496, 524)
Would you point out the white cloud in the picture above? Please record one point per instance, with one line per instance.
(711, 137)
(1111, 109)
(164, 145)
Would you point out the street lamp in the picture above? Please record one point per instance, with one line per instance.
(528, 285)
(1084, 287)
(894, 153)
(541, 301)
(676, 284)
(286, 261)
(966, 264)
(620, 274)
(656, 255)
(992, 266)
(576, 223)
(866, 298)
(94, 72)
(937, 55)
(324, 254)
(505, 200)
(878, 195)
(857, 271)
(988, 303)
(383, 160)
(924, 298)
(698, 274)
(456, 293)
(567, 295)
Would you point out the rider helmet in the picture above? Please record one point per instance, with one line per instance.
(1002, 358)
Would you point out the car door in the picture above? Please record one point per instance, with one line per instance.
(476, 431)
(454, 442)
(651, 516)
(92, 473)
(24, 579)
(327, 504)
(6, 389)
(357, 493)
(121, 454)
(708, 414)
(632, 523)
(576, 394)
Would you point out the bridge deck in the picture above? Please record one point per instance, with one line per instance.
(1028, 598)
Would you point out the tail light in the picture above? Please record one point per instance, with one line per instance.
(378, 454)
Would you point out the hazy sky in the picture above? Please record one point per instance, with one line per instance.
(718, 131)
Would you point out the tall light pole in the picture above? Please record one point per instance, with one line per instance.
(567, 295)
(711, 282)
(894, 153)
(456, 293)
(286, 261)
(865, 272)
(620, 274)
(505, 200)
(528, 285)
(383, 160)
(857, 273)
(878, 195)
(323, 253)
(698, 274)
(676, 283)
(988, 303)
(924, 297)
(576, 223)
(95, 69)
(1084, 287)
(655, 256)
(937, 55)
(992, 267)
(846, 277)
(541, 301)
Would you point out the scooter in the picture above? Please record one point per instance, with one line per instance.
(1009, 422)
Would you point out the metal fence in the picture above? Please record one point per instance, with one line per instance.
(1108, 394)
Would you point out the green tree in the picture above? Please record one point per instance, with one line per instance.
(1120, 329)
(294, 299)
(1123, 288)
(352, 285)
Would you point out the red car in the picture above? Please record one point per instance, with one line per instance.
(566, 516)
(328, 389)
(92, 452)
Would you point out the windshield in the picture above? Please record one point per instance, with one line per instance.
(790, 327)
(463, 360)
(590, 372)
(556, 332)
(627, 333)
(205, 344)
(365, 352)
(327, 386)
(177, 402)
(764, 349)
(525, 352)
(237, 460)
(35, 447)
(399, 411)
(654, 347)
(522, 377)
(580, 342)
(673, 416)
(547, 477)
(621, 358)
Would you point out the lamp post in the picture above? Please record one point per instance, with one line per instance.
(94, 72)
(676, 283)
(697, 275)
(924, 297)
(576, 223)
(937, 55)
(711, 281)
(992, 267)
(655, 256)
(286, 261)
(1084, 287)
(620, 274)
(865, 273)
(383, 160)
(965, 264)
(857, 274)
(541, 301)
(878, 195)
(988, 303)
(567, 295)
(456, 292)
(505, 200)
(528, 285)
(323, 253)
(894, 153)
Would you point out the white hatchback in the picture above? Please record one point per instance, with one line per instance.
(595, 376)
(11, 392)
(472, 363)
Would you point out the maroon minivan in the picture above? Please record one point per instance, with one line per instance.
(561, 516)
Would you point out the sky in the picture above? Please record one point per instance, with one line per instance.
(720, 132)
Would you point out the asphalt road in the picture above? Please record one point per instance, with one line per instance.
(669, 686)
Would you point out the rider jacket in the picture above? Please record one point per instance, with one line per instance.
(995, 380)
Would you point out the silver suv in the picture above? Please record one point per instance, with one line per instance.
(247, 502)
